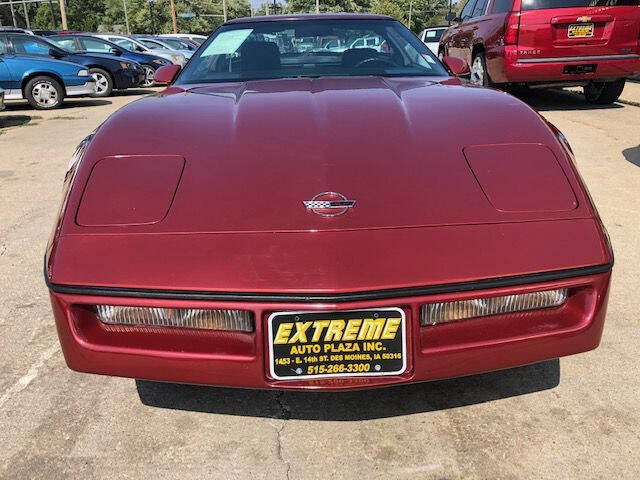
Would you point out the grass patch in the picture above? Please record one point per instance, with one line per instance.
(67, 117)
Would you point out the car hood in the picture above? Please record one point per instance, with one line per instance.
(401, 149)
(32, 61)
(97, 57)
(201, 188)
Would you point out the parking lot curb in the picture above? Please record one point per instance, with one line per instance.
(629, 102)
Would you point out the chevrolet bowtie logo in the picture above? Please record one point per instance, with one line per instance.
(583, 19)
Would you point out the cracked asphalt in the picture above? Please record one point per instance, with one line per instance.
(578, 417)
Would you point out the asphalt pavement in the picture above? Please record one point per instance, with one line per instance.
(577, 417)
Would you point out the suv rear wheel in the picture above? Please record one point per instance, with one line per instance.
(44, 93)
(604, 93)
(479, 75)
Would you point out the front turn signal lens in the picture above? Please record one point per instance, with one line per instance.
(193, 318)
(435, 313)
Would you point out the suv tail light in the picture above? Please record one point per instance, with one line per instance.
(511, 29)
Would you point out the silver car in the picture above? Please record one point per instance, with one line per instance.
(135, 45)
(170, 44)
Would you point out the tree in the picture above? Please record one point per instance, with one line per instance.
(309, 6)
(108, 15)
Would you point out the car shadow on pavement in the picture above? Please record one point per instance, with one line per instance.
(7, 121)
(89, 102)
(550, 99)
(132, 92)
(632, 155)
(353, 405)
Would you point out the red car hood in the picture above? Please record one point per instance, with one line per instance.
(231, 164)
(255, 151)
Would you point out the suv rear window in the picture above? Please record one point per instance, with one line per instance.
(541, 4)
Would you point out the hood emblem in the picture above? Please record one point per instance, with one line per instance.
(329, 204)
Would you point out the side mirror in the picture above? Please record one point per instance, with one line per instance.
(54, 53)
(140, 49)
(116, 51)
(165, 75)
(457, 66)
(452, 17)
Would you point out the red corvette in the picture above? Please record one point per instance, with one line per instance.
(316, 202)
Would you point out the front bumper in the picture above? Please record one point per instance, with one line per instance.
(240, 359)
(519, 69)
(86, 89)
(129, 78)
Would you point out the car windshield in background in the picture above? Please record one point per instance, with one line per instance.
(433, 35)
(542, 4)
(310, 48)
(177, 44)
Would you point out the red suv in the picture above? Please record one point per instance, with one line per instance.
(589, 43)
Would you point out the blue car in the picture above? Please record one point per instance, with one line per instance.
(108, 71)
(82, 43)
(43, 82)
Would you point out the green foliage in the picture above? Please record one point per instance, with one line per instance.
(108, 15)
(86, 14)
(309, 6)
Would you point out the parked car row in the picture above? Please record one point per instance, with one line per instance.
(44, 67)
(594, 44)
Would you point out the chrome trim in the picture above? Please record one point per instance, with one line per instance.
(579, 59)
(87, 89)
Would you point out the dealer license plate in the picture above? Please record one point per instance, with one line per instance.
(580, 30)
(337, 344)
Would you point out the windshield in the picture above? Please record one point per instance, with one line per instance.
(433, 35)
(310, 48)
(177, 44)
(541, 4)
(128, 44)
(152, 44)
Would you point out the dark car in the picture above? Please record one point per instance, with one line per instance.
(589, 43)
(109, 72)
(337, 220)
(95, 45)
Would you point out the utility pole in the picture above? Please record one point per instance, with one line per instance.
(153, 27)
(126, 16)
(63, 15)
(317, 6)
(410, 12)
(26, 14)
(174, 21)
(224, 10)
(276, 7)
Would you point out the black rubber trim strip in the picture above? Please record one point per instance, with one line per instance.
(330, 298)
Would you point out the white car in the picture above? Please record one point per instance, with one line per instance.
(199, 39)
(136, 46)
(168, 44)
(372, 41)
(431, 37)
